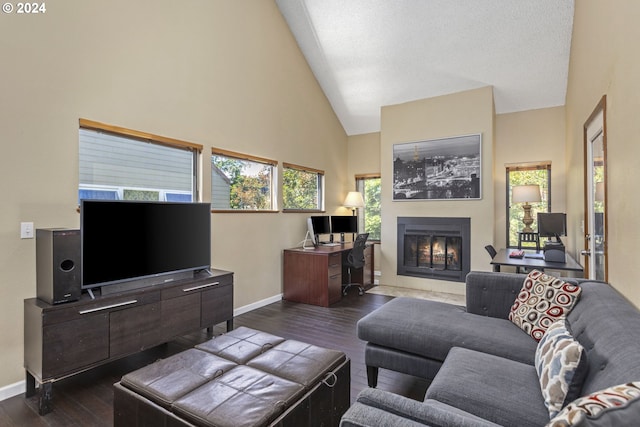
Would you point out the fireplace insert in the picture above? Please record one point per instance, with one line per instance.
(434, 247)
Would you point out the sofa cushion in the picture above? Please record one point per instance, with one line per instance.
(430, 328)
(614, 406)
(608, 327)
(542, 300)
(561, 366)
(500, 390)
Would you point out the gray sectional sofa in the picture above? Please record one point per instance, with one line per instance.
(482, 366)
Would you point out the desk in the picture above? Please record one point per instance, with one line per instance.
(315, 276)
(502, 258)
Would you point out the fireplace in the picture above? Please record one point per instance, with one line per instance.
(434, 247)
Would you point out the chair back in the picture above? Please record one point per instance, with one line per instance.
(528, 237)
(492, 251)
(355, 258)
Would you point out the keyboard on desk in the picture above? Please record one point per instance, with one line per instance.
(330, 244)
(534, 255)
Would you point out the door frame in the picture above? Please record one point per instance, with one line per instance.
(600, 107)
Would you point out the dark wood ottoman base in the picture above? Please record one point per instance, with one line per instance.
(319, 397)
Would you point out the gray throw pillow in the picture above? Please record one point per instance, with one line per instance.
(561, 364)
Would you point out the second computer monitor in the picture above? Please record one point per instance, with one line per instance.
(321, 224)
(344, 224)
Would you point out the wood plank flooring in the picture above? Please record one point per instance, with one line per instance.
(86, 399)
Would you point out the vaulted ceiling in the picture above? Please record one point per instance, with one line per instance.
(370, 53)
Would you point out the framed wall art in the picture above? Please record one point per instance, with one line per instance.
(438, 169)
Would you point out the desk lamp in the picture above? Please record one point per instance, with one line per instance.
(526, 194)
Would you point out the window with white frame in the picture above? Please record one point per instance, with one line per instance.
(302, 188)
(123, 164)
(241, 182)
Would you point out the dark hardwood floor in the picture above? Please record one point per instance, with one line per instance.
(86, 399)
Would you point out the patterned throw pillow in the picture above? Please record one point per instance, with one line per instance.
(542, 300)
(614, 406)
(561, 364)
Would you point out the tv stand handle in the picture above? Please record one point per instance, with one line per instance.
(107, 307)
(195, 288)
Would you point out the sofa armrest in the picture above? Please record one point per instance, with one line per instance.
(492, 294)
(371, 404)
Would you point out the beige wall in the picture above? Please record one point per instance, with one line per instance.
(363, 155)
(464, 113)
(529, 136)
(605, 60)
(219, 73)
(364, 158)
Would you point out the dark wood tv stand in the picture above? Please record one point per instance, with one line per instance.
(65, 339)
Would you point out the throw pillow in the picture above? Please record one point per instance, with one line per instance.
(614, 406)
(542, 300)
(561, 364)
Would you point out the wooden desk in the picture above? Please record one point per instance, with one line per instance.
(315, 276)
(502, 258)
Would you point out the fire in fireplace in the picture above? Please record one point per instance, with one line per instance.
(431, 247)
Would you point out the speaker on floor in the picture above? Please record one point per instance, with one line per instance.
(58, 265)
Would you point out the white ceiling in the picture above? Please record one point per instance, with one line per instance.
(370, 53)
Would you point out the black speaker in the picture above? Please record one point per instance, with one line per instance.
(58, 275)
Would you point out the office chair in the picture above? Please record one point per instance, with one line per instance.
(355, 259)
(492, 254)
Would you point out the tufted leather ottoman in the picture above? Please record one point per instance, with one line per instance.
(242, 378)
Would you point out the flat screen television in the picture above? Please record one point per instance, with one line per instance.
(552, 224)
(344, 224)
(125, 241)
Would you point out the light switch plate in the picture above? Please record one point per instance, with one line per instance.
(26, 230)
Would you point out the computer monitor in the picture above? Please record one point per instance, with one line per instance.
(318, 225)
(344, 224)
(552, 224)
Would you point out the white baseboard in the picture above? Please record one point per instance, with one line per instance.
(12, 390)
(21, 386)
(256, 305)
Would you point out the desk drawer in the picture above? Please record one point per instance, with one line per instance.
(335, 265)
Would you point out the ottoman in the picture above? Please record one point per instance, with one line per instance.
(242, 378)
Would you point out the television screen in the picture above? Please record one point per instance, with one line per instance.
(320, 225)
(344, 224)
(552, 224)
(122, 240)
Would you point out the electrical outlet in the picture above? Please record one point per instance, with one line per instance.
(26, 230)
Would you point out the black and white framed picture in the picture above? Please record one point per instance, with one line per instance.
(438, 169)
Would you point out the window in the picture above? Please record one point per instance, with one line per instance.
(526, 174)
(369, 217)
(240, 182)
(302, 188)
(123, 164)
